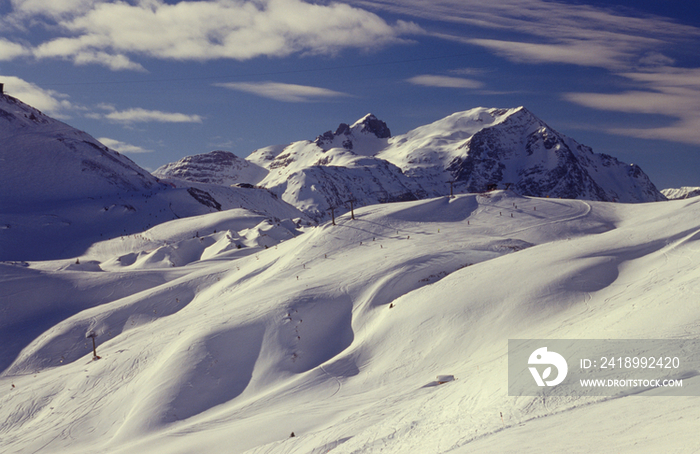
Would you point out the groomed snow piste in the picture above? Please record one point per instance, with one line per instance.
(337, 334)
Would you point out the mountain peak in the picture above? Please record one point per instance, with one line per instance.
(45, 159)
(345, 135)
(474, 150)
(215, 167)
(370, 124)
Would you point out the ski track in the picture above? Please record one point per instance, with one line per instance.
(454, 283)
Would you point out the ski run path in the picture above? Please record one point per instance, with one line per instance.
(338, 333)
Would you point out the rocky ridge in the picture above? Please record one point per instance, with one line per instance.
(466, 152)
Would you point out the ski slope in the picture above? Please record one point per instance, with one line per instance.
(337, 332)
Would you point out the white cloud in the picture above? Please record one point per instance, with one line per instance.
(10, 50)
(112, 32)
(82, 50)
(139, 115)
(123, 147)
(428, 80)
(549, 31)
(626, 43)
(572, 52)
(113, 62)
(649, 102)
(48, 101)
(673, 92)
(283, 92)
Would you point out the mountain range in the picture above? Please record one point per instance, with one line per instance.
(684, 192)
(466, 152)
(204, 310)
(62, 190)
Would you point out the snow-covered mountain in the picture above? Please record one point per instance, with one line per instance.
(224, 323)
(684, 192)
(513, 148)
(474, 150)
(335, 169)
(217, 167)
(62, 190)
(313, 179)
(45, 160)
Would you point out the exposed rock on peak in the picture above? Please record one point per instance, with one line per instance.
(684, 192)
(369, 124)
(215, 167)
(346, 136)
(472, 150)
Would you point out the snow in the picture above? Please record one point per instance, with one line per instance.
(314, 179)
(45, 160)
(63, 191)
(441, 139)
(681, 193)
(217, 167)
(226, 319)
(68, 228)
(339, 333)
(462, 153)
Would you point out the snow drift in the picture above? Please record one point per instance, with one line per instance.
(226, 321)
(338, 334)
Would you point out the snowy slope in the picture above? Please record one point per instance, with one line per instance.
(473, 149)
(217, 167)
(68, 228)
(681, 193)
(512, 147)
(61, 190)
(314, 178)
(45, 160)
(338, 334)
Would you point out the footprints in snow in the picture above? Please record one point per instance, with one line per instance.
(293, 317)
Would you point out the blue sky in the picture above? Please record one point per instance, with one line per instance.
(159, 80)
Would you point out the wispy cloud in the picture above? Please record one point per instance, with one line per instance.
(139, 115)
(581, 53)
(57, 105)
(674, 92)
(626, 43)
(429, 80)
(10, 50)
(284, 92)
(547, 31)
(123, 147)
(112, 33)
